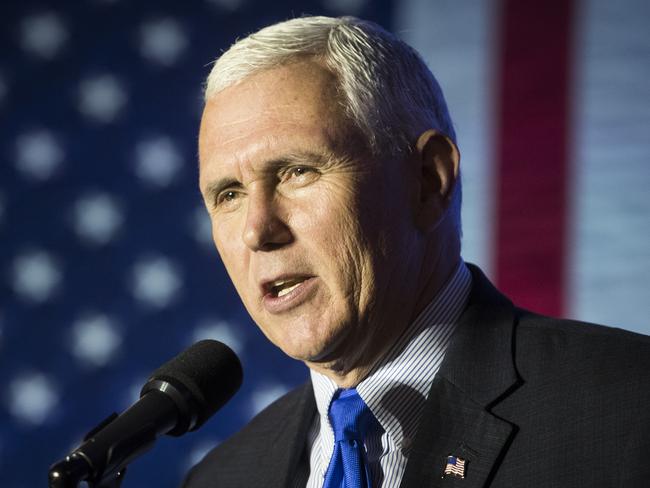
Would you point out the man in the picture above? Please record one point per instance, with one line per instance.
(329, 167)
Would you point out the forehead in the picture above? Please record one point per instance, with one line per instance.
(276, 110)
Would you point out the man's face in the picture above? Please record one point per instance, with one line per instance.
(312, 232)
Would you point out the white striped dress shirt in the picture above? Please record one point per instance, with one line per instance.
(396, 389)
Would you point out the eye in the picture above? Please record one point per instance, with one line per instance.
(226, 197)
(298, 171)
(300, 175)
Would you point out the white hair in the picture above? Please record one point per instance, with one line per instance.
(386, 89)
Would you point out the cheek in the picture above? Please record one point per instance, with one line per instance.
(229, 246)
(326, 224)
(330, 233)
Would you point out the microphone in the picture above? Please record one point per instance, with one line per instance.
(178, 397)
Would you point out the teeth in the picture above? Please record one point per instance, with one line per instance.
(282, 287)
(284, 291)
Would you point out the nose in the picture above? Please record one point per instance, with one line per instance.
(264, 229)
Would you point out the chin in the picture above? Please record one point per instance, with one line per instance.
(302, 352)
(308, 339)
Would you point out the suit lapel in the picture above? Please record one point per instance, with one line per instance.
(477, 373)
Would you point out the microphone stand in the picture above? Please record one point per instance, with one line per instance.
(74, 468)
(173, 401)
(61, 476)
(119, 439)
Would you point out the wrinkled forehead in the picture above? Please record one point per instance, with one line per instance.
(277, 109)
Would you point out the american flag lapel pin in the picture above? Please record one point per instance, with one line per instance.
(455, 467)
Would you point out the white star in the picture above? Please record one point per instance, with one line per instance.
(97, 217)
(156, 281)
(348, 7)
(158, 160)
(36, 276)
(162, 41)
(38, 154)
(264, 396)
(222, 331)
(230, 5)
(101, 98)
(43, 34)
(32, 398)
(202, 226)
(95, 340)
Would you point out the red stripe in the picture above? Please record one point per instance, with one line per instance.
(532, 152)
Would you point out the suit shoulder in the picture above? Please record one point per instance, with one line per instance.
(561, 343)
(575, 329)
(582, 385)
(228, 461)
(533, 320)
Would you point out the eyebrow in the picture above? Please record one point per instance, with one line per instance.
(271, 166)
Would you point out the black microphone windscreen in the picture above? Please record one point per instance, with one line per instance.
(209, 370)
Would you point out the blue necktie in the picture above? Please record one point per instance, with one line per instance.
(351, 420)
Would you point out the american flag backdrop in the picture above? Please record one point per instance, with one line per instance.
(106, 264)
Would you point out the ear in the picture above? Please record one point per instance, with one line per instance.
(438, 160)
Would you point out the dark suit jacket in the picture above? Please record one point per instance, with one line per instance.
(526, 400)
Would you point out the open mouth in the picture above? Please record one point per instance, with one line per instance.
(288, 292)
(279, 288)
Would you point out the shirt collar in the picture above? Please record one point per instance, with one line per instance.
(396, 389)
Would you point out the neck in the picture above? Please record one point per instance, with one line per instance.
(357, 360)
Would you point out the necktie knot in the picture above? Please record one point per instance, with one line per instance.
(350, 417)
